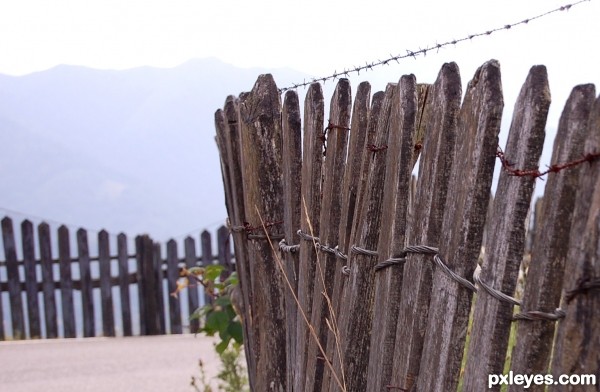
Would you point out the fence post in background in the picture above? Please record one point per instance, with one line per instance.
(578, 338)
(87, 298)
(149, 289)
(425, 221)
(66, 282)
(544, 281)
(260, 115)
(108, 318)
(31, 282)
(365, 114)
(50, 315)
(292, 189)
(172, 277)
(14, 282)
(160, 276)
(395, 199)
(123, 260)
(206, 257)
(506, 234)
(224, 252)
(190, 262)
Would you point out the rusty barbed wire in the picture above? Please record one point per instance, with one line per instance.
(429, 48)
(536, 173)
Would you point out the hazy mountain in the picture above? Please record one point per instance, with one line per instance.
(129, 151)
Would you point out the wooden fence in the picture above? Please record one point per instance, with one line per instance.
(51, 293)
(356, 279)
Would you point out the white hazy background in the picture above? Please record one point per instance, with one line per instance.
(312, 37)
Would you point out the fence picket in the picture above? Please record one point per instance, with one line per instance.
(292, 189)
(14, 284)
(108, 318)
(190, 261)
(312, 166)
(402, 139)
(87, 298)
(575, 351)
(172, 277)
(66, 282)
(158, 288)
(123, 260)
(506, 240)
(31, 280)
(260, 115)
(425, 222)
(544, 280)
(50, 315)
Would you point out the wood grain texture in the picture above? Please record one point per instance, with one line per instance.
(330, 216)
(261, 143)
(425, 223)
(462, 228)
(400, 161)
(353, 183)
(577, 345)
(543, 287)
(506, 235)
(312, 164)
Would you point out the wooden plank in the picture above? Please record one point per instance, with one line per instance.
(330, 216)
(87, 298)
(292, 180)
(14, 282)
(425, 223)
(108, 317)
(362, 133)
(532, 350)
(577, 345)
(50, 315)
(506, 240)
(190, 262)
(139, 259)
(66, 282)
(396, 194)
(159, 288)
(149, 287)
(172, 278)
(224, 252)
(312, 161)
(260, 114)
(206, 256)
(123, 261)
(31, 280)
(462, 228)
(232, 153)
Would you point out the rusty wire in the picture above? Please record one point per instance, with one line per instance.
(423, 51)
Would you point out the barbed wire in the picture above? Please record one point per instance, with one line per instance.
(423, 51)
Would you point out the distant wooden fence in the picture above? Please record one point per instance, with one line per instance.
(353, 278)
(39, 286)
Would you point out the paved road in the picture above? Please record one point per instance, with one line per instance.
(148, 364)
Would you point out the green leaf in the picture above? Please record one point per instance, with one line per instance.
(235, 330)
(222, 346)
(223, 301)
(217, 321)
(213, 271)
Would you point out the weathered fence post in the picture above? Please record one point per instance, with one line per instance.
(260, 120)
(190, 261)
(50, 315)
(108, 318)
(312, 162)
(224, 252)
(14, 283)
(543, 287)
(172, 277)
(123, 259)
(292, 188)
(149, 289)
(506, 235)
(577, 345)
(87, 298)
(400, 160)
(66, 282)
(425, 224)
(31, 284)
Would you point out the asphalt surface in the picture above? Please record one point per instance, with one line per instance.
(149, 364)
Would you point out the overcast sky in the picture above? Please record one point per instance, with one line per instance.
(312, 36)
